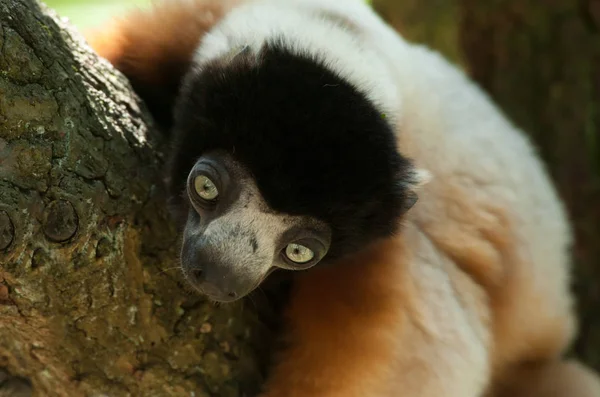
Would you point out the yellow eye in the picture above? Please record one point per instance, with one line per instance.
(298, 253)
(205, 188)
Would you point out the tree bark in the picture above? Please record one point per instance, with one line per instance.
(91, 298)
(540, 62)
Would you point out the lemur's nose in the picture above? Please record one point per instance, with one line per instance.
(211, 277)
(213, 289)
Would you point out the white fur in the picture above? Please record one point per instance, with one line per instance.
(249, 213)
(451, 129)
(256, 23)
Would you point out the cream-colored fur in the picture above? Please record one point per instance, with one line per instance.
(472, 298)
(488, 240)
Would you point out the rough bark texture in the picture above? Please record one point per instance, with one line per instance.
(540, 61)
(91, 300)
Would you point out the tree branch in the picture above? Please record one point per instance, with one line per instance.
(91, 298)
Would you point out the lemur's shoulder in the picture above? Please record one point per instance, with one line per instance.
(154, 47)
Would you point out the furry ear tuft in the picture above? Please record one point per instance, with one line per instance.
(418, 178)
(421, 178)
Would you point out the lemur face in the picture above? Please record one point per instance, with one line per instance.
(233, 239)
(278, 162)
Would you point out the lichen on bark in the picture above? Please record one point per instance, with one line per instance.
(91, 299)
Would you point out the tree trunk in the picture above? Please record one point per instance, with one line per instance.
(540, 61)
(91, 298)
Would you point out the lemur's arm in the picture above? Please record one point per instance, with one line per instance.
(369, 329)
(341, 321)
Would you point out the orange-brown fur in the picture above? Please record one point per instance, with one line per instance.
(156, 45)
(479, 241)
(154, 48)
(340, 327)
(362, 330)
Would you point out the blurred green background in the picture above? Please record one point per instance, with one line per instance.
(92, 13)
(87, 14)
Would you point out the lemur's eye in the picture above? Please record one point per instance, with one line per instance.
(299, 253)
(205, 188)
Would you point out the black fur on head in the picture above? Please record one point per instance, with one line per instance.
(315, 144)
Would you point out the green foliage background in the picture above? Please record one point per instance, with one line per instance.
(92, 13)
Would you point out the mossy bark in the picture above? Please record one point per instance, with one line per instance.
(540, 62)
(91, 299)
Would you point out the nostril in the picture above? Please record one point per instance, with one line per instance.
(232, 295)
(198, 274)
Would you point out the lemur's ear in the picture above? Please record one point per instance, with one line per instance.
(418, 178)
(154, 47)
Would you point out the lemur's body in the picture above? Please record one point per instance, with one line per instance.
(471, 296)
